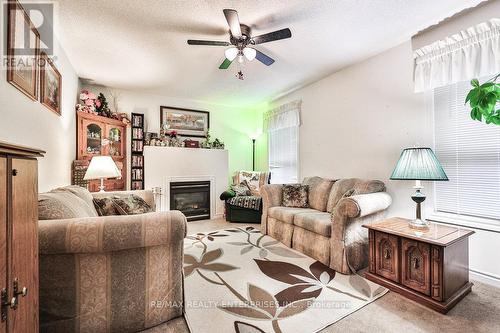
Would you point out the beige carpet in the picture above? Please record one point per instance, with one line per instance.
(247, 282)
(478, 312)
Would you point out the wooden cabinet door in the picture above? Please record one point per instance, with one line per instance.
(415, 266)
(91, 135)
(24, 247)
(387, 256)
(3, 232)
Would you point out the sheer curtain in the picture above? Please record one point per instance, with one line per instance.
(469, 54)
(282, 125)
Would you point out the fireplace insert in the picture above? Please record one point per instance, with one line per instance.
(191, 198)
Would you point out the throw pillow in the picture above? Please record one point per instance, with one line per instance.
(242, 189)
(295, 195)
(105, 206)
(131, 205)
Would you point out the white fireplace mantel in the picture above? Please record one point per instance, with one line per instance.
(164, 165)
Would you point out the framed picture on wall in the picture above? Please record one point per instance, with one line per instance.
(185, 122)
(23, 47)
(50, 84)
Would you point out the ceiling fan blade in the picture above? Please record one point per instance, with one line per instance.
(207, 42)
(272, 36)
(266, 60)
(225, 64)
(233, 21)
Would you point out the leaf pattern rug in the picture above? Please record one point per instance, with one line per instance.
(238, 280)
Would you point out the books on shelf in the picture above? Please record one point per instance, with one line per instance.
(137, 121)
(137, 161)
(137, 174)
(137, 133)
(137, 146)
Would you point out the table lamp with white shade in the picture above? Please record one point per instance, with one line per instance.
(102, 167)
(418, 164)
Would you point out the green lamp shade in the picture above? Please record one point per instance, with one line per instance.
(418, 164)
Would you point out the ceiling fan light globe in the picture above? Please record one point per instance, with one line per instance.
(231, 53)
(249, 53)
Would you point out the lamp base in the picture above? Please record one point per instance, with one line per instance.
(419, 224)
(101, 187)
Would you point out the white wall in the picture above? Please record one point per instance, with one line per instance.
(232, 125)
(27, 122)
(357, 121)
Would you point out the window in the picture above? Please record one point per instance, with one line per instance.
(282, 125)
(283, 155)
(470, 154)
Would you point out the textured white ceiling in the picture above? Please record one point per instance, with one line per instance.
(141, 45)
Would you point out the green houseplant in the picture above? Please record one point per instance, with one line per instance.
(483, 99)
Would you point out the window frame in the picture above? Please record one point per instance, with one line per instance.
(297, 148)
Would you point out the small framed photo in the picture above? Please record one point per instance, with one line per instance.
(51, 84)
(23, 47)
(185, 122)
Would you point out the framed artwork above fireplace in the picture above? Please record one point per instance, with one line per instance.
(185, 122)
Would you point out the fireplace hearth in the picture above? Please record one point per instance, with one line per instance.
(192, 198)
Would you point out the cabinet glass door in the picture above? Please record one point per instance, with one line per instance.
(92, 138)
(114, 141)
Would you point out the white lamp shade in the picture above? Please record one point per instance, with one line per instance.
(231, 53)
(102, 167)
(249, 53)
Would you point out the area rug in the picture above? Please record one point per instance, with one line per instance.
(238, 280)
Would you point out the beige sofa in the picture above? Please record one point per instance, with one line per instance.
(330, 231)
(111, 273)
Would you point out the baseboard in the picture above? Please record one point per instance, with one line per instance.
(484, 278)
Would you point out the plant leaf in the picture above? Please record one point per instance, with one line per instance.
(211, 256)
(295, 308)
(217, 267)
(474, 83)
(283, 271)
(246, 249)
(262, 299)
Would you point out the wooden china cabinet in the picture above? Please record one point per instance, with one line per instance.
(97, 136)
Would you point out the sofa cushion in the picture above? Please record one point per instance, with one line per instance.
(296, 195)
(79, 191)
(241, 189)
(63, 205)
(352, 186)
(319, 190)
(317, 222)
(105, 206)
(286, 214)
(131, 205)
(254, 179)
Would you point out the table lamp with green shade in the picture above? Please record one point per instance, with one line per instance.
(418, 164)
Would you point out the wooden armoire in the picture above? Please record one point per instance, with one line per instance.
(97, 136)
(19, 238)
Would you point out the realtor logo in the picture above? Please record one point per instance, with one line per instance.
(29, 27)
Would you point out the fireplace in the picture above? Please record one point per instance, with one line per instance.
(191, 198)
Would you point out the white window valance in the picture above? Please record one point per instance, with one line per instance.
(471, 53)
(284, 116)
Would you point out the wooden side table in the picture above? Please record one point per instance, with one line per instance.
(430, 267)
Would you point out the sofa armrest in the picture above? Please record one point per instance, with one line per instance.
(110, 233)
(349, 240)
(272, 196)
(227, 195)
(363, 204)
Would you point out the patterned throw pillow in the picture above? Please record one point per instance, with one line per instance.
(295, 195)
(131, 205)
(242, 189)
(105, 206)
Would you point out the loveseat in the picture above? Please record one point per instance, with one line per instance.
(330, 230)
(107, 273)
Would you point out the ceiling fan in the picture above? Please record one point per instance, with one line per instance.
(241, 41)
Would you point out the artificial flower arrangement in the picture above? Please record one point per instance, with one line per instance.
(98, 105)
